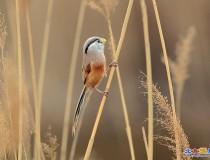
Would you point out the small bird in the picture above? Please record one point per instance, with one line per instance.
(93, 71)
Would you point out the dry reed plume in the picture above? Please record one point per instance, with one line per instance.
(104, 7)
(51, 145)
(4, 134)
(179, 67)
(10, 105)
(166, 121)
(10, 108)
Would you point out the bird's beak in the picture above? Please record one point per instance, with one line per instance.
(103, 41)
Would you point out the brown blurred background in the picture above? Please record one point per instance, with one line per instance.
(111, 139)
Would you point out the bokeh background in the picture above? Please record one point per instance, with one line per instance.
(111, 139)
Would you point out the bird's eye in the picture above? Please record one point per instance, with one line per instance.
(99, 41)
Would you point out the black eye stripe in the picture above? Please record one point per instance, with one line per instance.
(86, 49)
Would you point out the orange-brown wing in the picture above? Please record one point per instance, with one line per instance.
(86, 69)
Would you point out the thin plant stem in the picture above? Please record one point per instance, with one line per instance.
(149, 78)
(20, 145)
(128, 128)
(168, 76)
(71, 81)
(124, 27)
(33, 74)
(145, 142)
(41, 77)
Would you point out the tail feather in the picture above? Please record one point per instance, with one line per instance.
(78, 110)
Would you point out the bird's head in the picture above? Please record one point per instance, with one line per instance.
(94, 45)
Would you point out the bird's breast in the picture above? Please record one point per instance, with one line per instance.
(96, 75)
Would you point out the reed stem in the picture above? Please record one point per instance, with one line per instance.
(149, 78)
(124, 27)
(127, 123)
(145, 142)
(42, 76)
(20, 145)
(168, 76)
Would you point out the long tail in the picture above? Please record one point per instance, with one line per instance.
(78, 110)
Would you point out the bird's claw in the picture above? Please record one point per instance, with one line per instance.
(106, 93)
(113, 64)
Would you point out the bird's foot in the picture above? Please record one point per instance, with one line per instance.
(113, 64)
(106, 93)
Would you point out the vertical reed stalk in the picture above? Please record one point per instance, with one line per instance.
(178, 154)
(71, 80)
(41, 77)
(145, 142)
(149, 78)
(33, 74)
(20, 145)
(128, 128)
(124, 27)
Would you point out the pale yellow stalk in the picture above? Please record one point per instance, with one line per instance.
(33, 74)
(124, 27)
(168, 76)
(145, 142)
(20, 145)
(71, 80)
(149, 78)
(128, 128)
(41, 76)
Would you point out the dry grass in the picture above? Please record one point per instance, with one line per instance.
(4, 134)
(179, 67)
(15, 105)
(10, 112)
(165, 120)
(6, 128)
(18, 123)
(104, 7)
(123, 31)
